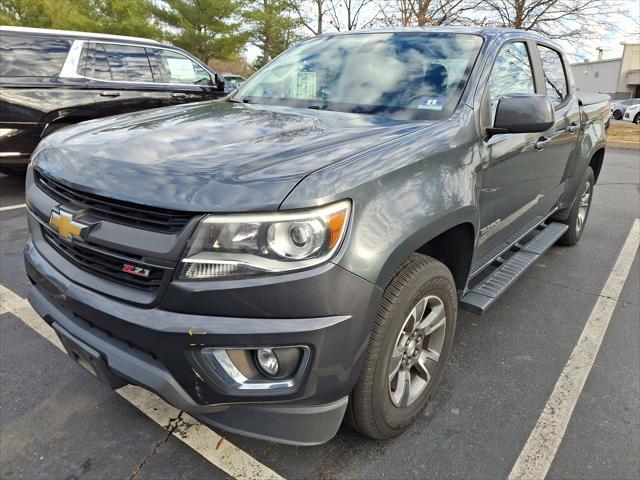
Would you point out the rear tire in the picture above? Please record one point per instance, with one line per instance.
(617, 115)
(579, 213)
(384, 404)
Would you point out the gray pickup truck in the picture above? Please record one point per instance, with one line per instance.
(296, 253)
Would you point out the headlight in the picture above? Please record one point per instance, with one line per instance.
(226, 246)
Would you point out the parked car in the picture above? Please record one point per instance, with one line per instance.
(632, 114)
(618, 108)
(297, 252)
(232, 81)
(52, 78)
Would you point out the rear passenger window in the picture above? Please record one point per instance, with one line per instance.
(32, 56)
(84, 63)
(125, 62)
(512, 73)
(101, 69)
(554, 76)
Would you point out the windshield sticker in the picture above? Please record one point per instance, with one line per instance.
(303, 85)
(431, 103)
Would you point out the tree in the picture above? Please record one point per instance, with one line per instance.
(61, 14)
(206, 28)
(310, 13)
(273, 28)
(427, 12)
(553, 18)
(124, 17)
(351, 14)
(121, 17)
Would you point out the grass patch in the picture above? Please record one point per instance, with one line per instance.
(624, 131)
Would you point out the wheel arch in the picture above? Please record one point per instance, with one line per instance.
(596, 162)
(56, 119)
(454, 248)
(450, 239)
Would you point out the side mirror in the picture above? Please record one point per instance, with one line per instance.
(219, 82)
(523, 113)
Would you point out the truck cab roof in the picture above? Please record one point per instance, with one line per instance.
(485, 31)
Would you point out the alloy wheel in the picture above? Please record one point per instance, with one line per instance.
(417, 351)
(583, 208)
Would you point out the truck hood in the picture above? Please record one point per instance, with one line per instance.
(210, 156)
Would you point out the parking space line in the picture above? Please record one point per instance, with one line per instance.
(221, 453)
(543, 443)
(12, 207)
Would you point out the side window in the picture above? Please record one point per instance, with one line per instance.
(126, 62)
(554, 76)
(32, 56)
(511, 73)
(101, 68)
(84, 63)
(177, 68)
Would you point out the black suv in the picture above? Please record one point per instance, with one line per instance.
(53, 78)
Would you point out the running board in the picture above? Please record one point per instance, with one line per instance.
(482, 296)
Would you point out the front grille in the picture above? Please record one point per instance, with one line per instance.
(104, 264)
(140, 216)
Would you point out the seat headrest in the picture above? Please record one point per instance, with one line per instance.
(437, 77)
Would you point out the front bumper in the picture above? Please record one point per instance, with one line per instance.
(152, 347)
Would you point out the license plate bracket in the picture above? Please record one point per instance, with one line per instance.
(88, 358)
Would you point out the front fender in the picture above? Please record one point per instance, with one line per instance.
(431, 230)
(404, 194)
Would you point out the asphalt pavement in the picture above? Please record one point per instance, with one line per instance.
(56, 421)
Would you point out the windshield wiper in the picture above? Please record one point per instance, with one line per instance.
(319, 107)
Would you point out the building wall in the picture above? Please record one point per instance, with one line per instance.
(628, 71)
(617, 77)
(598, 77)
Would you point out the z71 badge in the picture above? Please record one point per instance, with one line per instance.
(133, 270)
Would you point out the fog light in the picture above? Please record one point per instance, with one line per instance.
(267, 361)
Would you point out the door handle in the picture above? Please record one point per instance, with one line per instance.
(573, 128)
(178, 95)
(542, 142)
(109, 94)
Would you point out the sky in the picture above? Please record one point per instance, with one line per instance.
(627, 29)
(611, 40)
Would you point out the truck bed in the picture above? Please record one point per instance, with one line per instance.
(594, 106)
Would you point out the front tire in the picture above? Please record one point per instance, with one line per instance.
(617, 115)
(407, 350)
(636, 119)
(579, 213)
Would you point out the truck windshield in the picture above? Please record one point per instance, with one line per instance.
(407, 75)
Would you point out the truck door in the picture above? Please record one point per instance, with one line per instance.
(517, 189)
(562, 139)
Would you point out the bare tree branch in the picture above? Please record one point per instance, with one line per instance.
(553, 18)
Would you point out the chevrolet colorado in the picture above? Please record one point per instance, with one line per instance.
(296, 253)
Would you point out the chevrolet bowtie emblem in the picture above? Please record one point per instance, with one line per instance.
(66, 226)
